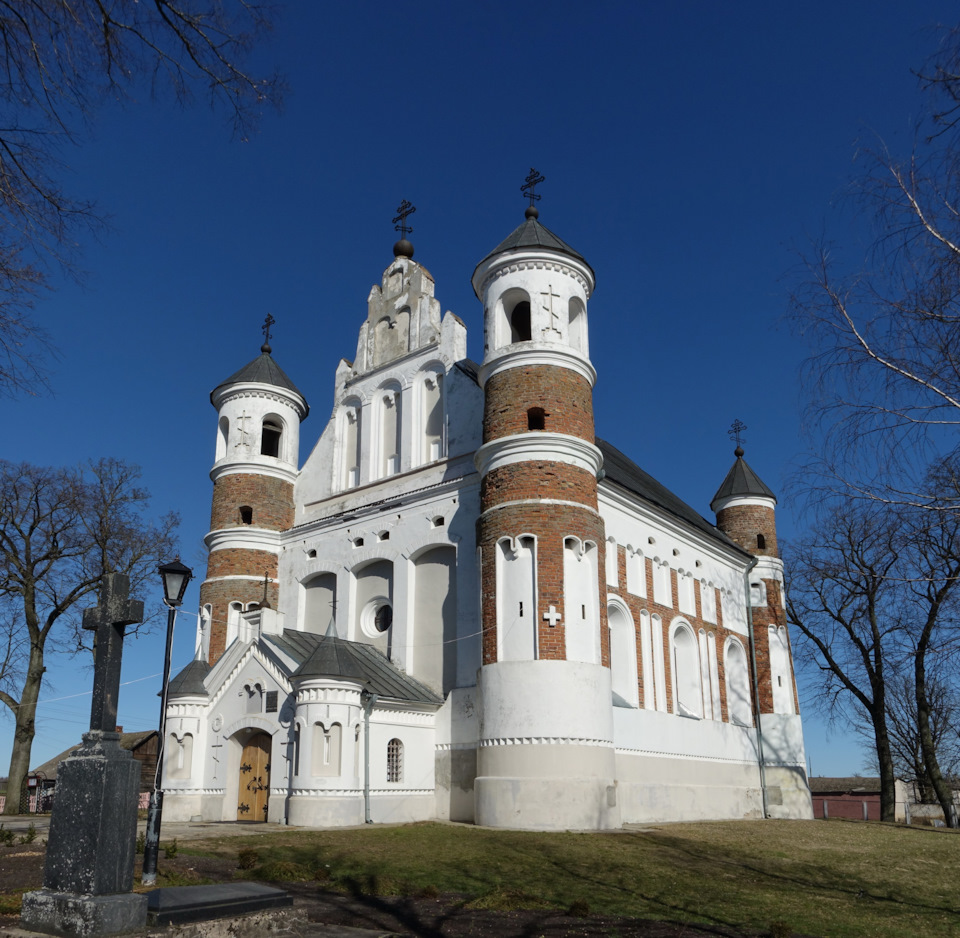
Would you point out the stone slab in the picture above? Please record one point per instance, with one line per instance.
(93, 829)
(175, 904)
(64, 913)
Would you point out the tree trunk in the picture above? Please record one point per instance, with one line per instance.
(927, 745)
(888, 783)
(24, 731)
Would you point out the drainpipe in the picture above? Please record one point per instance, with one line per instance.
(367, 700)
(756, 685)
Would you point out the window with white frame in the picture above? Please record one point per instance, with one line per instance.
(394, 761)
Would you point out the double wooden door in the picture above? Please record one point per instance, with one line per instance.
(254, 786)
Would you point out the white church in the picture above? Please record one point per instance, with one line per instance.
(463, 605)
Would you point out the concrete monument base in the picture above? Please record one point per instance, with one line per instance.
(65, 913)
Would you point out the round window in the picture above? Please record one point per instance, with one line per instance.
(383, 618)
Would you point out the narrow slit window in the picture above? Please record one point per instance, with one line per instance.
(761, 542)
(536, 419)
(246, 514)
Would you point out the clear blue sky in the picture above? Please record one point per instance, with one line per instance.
(689, 150)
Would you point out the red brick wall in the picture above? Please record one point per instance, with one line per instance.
(538, 479)
(220, 593)
(565, 396)
(742, 524)
(551, 524)
(271, 500)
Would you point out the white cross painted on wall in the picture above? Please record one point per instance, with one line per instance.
(547, 304)
(216, 760)
(242, 427)
(552, 616)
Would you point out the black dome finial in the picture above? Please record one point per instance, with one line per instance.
(736, 433)
(403, 248)
(265, 329)
(529, 192)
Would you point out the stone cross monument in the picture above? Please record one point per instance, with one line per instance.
(92, 845)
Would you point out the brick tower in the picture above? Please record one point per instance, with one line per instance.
(546, 757)
(259, 411)
(745, 510)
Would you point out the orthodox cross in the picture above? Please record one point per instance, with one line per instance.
(215, 756)
(404, 210)
(553, 617)
(108, 619)
(547, 304)
(529, 186)
(265, 328)
(736, 432)
(242, 427)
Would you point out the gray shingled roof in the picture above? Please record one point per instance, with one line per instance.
(128, 741)
(742, 480)
(531, 234)
(626, 473)
(327, 656)
(263, 370)
(189, 682)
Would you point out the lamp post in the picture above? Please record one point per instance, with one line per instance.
(175, 577)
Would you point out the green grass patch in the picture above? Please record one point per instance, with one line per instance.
(828, 878)
(10, 902)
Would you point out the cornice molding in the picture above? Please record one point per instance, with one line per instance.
(538, 446)
(525, 354)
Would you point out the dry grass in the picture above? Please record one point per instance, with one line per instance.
(834, 879)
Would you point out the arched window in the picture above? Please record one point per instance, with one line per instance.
(536, 419)
(271, 434)
(434, 425)
(780, 676)
(254, 702)
(761, 542)
(686, 673)
(233, 622)
(394, 761)
(179, 755)
(351, 438)
(389, 432)
(738, 684)
(246, 514)
(327, 744)
(516, 599)
(581, 611)
(577, 328)
(520, 322)
(623, 656)
(223, 436)
(319, 602)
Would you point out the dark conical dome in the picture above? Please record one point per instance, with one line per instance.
(262, 370)
(742, 482)
(531, 234)
(189, 682)
(335, 658)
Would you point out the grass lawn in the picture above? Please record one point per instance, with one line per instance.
(828, 878)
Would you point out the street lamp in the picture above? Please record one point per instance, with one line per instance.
(175, 577)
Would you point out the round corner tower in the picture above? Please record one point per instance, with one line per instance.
(546, 758)
(259, 411)
(746, 512)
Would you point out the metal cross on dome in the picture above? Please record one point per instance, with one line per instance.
(265, 328)
(404, 210)
(736, 431)
(529, 185)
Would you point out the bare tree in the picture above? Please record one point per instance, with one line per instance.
(839, 600)
(58, 61)
(61, 530)
(886, 329)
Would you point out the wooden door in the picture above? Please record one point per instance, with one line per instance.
(254, 779)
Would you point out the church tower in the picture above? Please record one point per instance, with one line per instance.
(546, 757)
(745, 510)
(259, 411)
